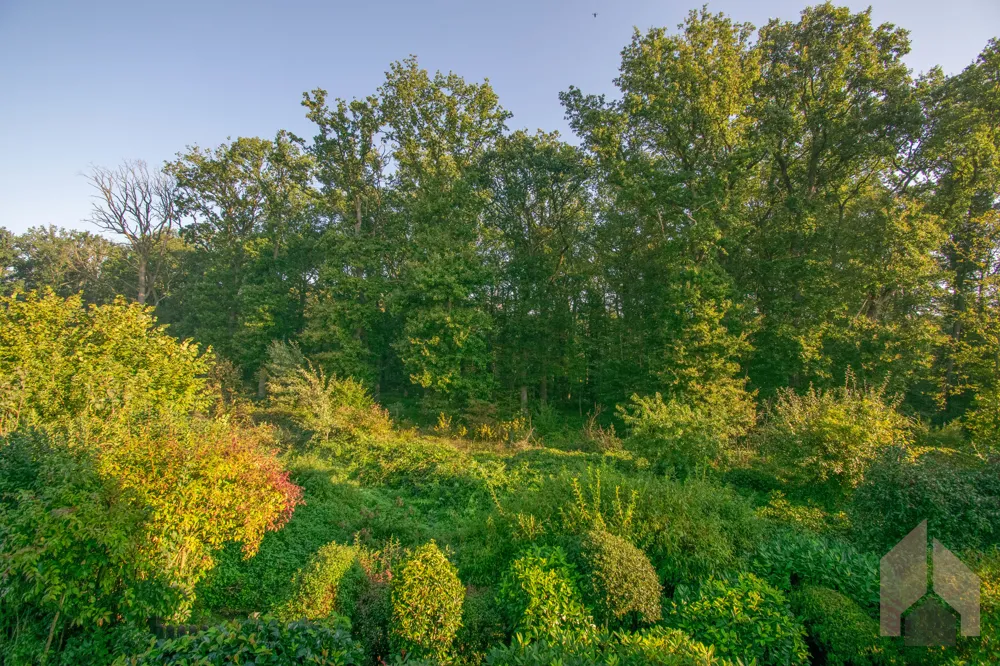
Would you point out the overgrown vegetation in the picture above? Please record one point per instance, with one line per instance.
(424, 390)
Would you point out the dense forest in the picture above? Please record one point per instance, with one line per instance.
(423, 388)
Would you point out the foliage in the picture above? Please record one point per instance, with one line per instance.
(124, 532)
(539, 596)
(688, 434)
(331, 409)
(620, 581)
(316, 586)
(744, 618)
(788, 558)
(657, 646)
(831, 435)
(367, 597)
(839, 631)
(64, 362)
(426, 604)
(959, 499)
(808, 517)
(262, 640)
(482, 624)
(689, 530)
(983, 422)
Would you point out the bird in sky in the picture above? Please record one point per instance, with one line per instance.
(595, 14)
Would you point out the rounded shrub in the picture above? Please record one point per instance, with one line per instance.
(743, 618)
(316, 587)
(621, 583)
(264, 641)
(839, 632)
(427, 601)
(830, 437)
(539, 596)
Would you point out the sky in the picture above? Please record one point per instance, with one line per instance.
(96, 82)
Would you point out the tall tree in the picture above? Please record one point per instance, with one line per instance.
(672, 159)
(141, 207)
(540, 214)
(248, 271)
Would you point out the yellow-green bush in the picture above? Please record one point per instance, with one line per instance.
(830, 436)
(427, 601)
(743, 618)
(619, 580)
(691, 433)
(539, 596)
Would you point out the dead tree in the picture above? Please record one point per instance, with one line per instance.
(140, 206)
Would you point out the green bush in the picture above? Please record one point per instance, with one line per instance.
(262, 641)
(367, 598)
(745, 618)
(332, 410)
(689, 529)
(539, 596)
(316, 587)
(982, 422)
(830, 437)
(685, 435)
(788, 557)
(839, 632)
(482, 625)
(426, 604)
(960, 499)
(657, 646)
(621, 584)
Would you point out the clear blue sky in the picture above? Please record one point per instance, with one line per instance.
(99, 81)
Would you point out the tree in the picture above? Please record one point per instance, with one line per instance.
(140, 206)
(251, 234)
(66, 261)
(540, 216)
(672, 167)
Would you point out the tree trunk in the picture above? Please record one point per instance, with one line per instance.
(524, 398)
(142, 281)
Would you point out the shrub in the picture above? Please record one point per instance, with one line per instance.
(982, 422)
(263, 641)
(621, 583)
(839, 631)
(788, 557)
(657, 646)
(333, 410)
(685, 435)
(366, 596)
(63, 363)
(482, 625)
(122, 528)
(961, 502)
(539, 595)
(426, 604)
(744, 618)
(316, 587)
(830, 436)
(689, 530)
